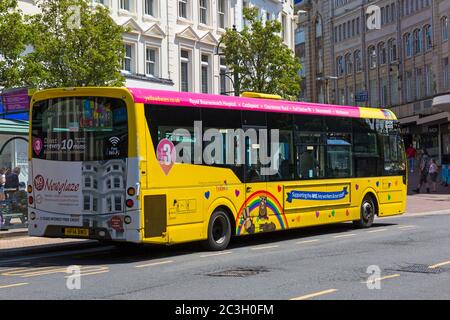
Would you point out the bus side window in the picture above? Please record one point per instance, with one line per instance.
(283, 158)
(227, 122)
(366, 151)
(310, 146)
(252, 123)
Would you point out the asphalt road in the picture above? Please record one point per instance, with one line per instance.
(412, 253)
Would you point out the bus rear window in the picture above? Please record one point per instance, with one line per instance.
(80, 129)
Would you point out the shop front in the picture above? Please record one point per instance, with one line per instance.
(14, 126)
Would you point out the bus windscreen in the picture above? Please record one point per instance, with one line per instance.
(80, 129)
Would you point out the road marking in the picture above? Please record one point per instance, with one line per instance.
(60, 254)
(12, 269)
(154, 264)
(345, 235)
(406, 227)
(378, 230)
(264, 248)
(316, 294)
(27, 273)
(437, 265)
(215, 254)
(13, 285)
(381, 279)
(308, 241)
(90, 273)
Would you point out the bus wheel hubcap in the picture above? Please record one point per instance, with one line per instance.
(367, 210)
(220, 229)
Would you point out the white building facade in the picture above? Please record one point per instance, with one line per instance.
(172, 44)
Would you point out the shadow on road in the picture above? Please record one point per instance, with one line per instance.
(133, 253)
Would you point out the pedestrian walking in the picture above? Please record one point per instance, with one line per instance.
(2, 183)
(12, 179)
(411, 155)
(424, 167)
(433, 173)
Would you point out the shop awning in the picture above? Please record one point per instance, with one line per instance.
(445, 116)
(409, 120)
(442, 102)
(14, 127)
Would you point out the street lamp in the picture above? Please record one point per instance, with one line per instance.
(235, 80)
(327, 79)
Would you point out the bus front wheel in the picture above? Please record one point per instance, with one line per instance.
(367, 215)
(219, 231)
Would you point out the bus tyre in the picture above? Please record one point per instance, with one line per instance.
(367, 216)
(219, 231)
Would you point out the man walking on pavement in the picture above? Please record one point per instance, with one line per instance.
(424, 167)
(411, 155)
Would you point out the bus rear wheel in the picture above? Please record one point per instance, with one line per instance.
(367, 215)
(219, 231)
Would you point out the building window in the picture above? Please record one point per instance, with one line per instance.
(223, 76)
(109, 204)
(128, 61)
(418, 41)
(444, 27)
(185, 70)
(87, 182)
(340, 66)
(118, 203)
(419, 83)
(205, 73)
(358, 64)
(409, 86)
(428, 37)
(126, 5)
(149, 8)
(408, 45)
(428, 80)
(203, 13)
(221, 13)
(117, 183)
(150, 62)
(86, 203)
(392, 50)
(349, 64)
(446, 73)
(95, 204)
(372, 53)
(382, 53)
(183, 7)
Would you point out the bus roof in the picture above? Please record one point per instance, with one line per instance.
(188, 99)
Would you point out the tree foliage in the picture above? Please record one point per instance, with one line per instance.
(258, 55)
(74, 45)
(13, 34)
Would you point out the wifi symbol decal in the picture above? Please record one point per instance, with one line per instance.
(114, 141)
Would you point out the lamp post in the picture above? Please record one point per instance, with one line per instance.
(235, 79)
(327, 89)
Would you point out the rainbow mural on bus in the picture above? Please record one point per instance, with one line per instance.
(264, 202)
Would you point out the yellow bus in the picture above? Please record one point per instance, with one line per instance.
(161, 167)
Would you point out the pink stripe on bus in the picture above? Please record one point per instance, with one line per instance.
(175, 98)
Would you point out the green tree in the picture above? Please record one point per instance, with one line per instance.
(13, 34)
(74, 44)
(257, 53)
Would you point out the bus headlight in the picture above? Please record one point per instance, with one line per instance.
(30, 189)
(127, 219)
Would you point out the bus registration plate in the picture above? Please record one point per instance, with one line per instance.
(77, 232)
